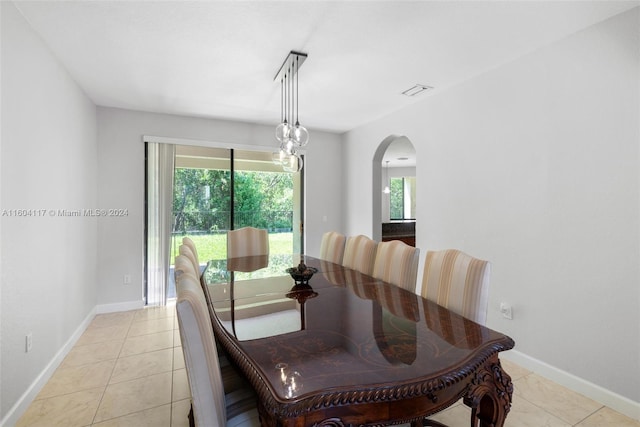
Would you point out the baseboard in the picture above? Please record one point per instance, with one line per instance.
(608, 398)
(30, 394)
(119, 306)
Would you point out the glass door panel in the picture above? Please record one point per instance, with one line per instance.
(201, 203)
(266, 197)
(209, 181)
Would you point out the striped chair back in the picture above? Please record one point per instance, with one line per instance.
(459, 282)
(397, 263)
(188, 242)
(332, 247)
(186, 251)
(183, 265)
(360, 254)
(247, 241)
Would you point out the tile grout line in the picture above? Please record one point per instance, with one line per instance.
(544, 410)
(119, 357)
(589, 416)
(93, 421)
(557, 416)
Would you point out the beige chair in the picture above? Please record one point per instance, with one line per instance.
(397, 263)
(185, 251)
(247, 241)
(210, 405)
(457, 281)
(332, 247)
(188, 242)
(182, 265)
(231, 378)
(360, 254)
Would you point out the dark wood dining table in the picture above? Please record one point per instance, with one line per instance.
(346, 349)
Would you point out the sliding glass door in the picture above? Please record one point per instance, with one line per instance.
(216, 190)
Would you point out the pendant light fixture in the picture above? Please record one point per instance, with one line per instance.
(291, 136)
(386, 190)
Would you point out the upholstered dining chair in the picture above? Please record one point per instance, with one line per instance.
(457, 281)
(397, 263)
(182, 265)
(247, 241)
(185, 251)
(188, 242)
(360, 254)
(231, 378)
(209, 404)
(332, 247)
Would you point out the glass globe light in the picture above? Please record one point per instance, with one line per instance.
(300, 134)
(278, 157)
(288, 147)
(292, 163)
(283, 131)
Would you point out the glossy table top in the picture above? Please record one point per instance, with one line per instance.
(346, 332)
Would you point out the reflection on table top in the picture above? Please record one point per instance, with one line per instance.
(353, 330)
(249, 275)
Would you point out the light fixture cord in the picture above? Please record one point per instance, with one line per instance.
(282, 99)
(291, 93)
(387, 180)
(286, 93)
(297, 91)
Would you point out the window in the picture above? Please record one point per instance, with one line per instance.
(207, 191)
(402, 199)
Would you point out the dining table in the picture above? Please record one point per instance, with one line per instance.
(345, 349)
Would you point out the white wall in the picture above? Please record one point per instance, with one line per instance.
(121, 185)
(534, 166)
(49, 162)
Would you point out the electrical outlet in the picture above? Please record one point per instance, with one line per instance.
(28, 342)
(127, 279)
(506, 310)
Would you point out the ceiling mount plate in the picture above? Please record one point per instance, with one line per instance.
(416, 89)
(288, 64)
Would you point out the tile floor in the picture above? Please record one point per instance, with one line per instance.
(127, 369)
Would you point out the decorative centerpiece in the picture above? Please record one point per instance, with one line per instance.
(301, 292)
(301, 274)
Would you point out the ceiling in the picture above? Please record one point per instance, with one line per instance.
(218, 58)
(399, 154)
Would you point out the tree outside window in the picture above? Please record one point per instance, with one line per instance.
(402, 198)
(396, 199)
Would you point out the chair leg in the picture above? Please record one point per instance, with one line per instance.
(192, 422)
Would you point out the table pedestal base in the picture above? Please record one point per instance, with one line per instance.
(490, 395)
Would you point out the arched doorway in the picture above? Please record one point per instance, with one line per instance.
(400, 154)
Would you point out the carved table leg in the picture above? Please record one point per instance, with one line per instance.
(490, 395)
(266, 420)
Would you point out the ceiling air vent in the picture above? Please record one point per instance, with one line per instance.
(416, 89)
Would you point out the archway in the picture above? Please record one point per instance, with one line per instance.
(402, 148)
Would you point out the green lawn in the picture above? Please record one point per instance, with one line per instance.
(214, 246)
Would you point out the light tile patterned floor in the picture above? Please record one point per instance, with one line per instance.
(127, 370)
